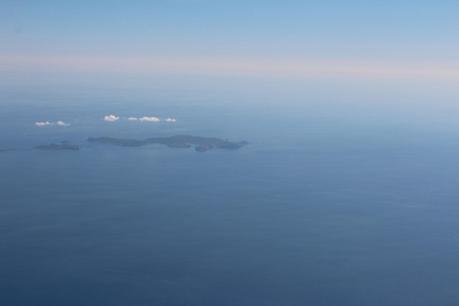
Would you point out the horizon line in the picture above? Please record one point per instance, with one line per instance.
(238, 66)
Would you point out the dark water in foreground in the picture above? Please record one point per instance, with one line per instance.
(305, 215)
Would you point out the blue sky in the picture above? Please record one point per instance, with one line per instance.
(283, 31)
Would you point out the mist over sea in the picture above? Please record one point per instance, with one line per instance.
(342, 197)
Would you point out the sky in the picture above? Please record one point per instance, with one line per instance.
(300, 39)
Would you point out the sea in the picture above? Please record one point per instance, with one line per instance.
(339, 199)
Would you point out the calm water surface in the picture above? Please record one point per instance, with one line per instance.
(315, 211)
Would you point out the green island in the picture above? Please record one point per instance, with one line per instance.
(200, 144)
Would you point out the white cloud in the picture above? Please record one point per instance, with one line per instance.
(42, 123)
(149, 119)
(171, 119)
(62, 123)
(51, 123)
(111, 118)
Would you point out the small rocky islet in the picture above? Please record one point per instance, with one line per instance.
(63, 146)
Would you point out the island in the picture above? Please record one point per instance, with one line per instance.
(63, 146)
(200, 144)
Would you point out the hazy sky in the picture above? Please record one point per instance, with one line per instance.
(406, 39)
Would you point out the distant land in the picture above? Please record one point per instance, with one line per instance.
(200, 144)
(63, 146)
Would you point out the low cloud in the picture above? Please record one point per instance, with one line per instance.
(62, 123)
(150, 119)
(111, 118)
(145, 119)
(42, 123)
(51, 123)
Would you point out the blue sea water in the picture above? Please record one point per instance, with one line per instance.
(321, 208)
